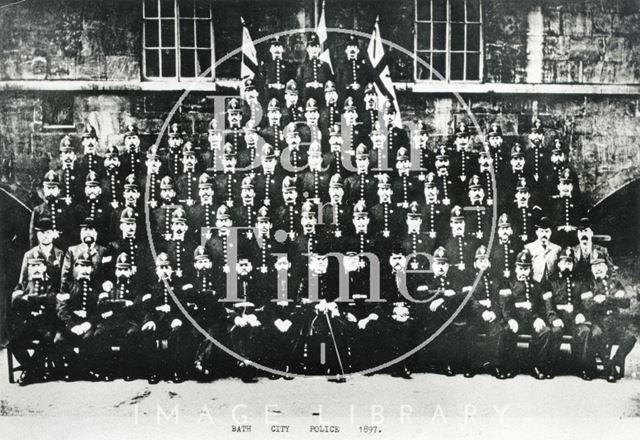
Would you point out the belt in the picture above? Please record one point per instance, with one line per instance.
(314, 85)
(276, 86)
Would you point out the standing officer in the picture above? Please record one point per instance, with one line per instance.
(498, 151)
(275, 72)
(153, 166)
(174, 154)
(360, 186)
(69, 176)
(292, 110)
(112, 178)
(132, 157)
(330, 113)
(434, 213)
(544, 253)
(444, 178)
(315, 179)
(524, 212)
(505, 250)
(537, 156)
(463, 158)
(93, 205)
(53, 208)
(187, 181)
(420, 145)
(586, 249)
(273, 133)
(87, 249)
(354, 72)
(90, 161)
(43, 229)
(314, 72)
(460, 246)
(202, 216)
(226, 182)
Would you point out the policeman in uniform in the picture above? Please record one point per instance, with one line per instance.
(602, 305)
(405, 187)
(435, 214)
(273, 133)
(330, 113)
(161, 215)
(497, 149)
(131, 198)
(414, 238)
(234, 133)
(292, 110)
(513, 175)
(210, 159)
(32, 316)
(444, 178)
(314, 72)
(179, 247)
(90, 160)
(537, 155)
(526, 309)
(524, 212)
(287, 213)
(187, 181)
(354, 132)
(153, 166)
(315, 179)
(463, 158)
(335, 213)
(480, 217)
(565, 207)
(276, 71)
(487, 166)
(568, 312)
(420, 144)
(87, 249)
(310, 131)
(361, 186)
(268, 178)
(174, 154)
(132, 157)
(293, 159)
(69, 176)
(202, 215)
(129, 243)
(113, 176)
(93, 205)
(460, 246)
(244, 214)
(226, 182)
(354, 73)
(252, 110)
(386, 219)
(53, 208)
(505, 250)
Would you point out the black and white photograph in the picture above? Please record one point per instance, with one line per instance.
(312, 219)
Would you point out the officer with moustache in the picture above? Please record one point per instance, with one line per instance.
(420, 145)
(287, 214)
(45, 247)
(69, 175)
(524, 212)
(330, 112)
(161, 215)
(414, 241)
(315, 179)
(210, 159)
(251, 108)
(132, 157)
(314, 73)
(244, 214)
(267, 180)
(396, 136)
(187, 181)
(179, 247)
(480, 216)
(293, 112)
(113, 176)
(336, 213)
(463, 157)
(544, 253)
(234, 134)
(275, 71)
(153, 166)
(526, 308)
(90, 160)
(131, 198)
(603, 304)
(33, 315)
(512, 176)
(87, 249)
(310, 131)
(173, 156)
(537, 155)
(460, 246)
(497, 149)
(384, 214)
(586, 249)
(354, 72)
(434, 213)
(405, 186)
(504, 250)
(202, 216)
(129, 243)
(487, 166)
(94, 206)
(226, 182)
(273, 132)
(63, 223)
(444, 178)
(353, 130)
(566, 208)
(568, 313)
(361, 186)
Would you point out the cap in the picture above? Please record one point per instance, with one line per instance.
(585, 223)
(43, 224)
(457, 213)
(523, 258)
(88, 222)
(474, 182)
(308, 209)
(83, 259)
(200, 253)
(430, 180)
(291, 87)
(92, 179)
(263, 214)
(414, 211)
(268, 152)
(314, 149)
(312, 105)
(402, 154)
(223, 212)
(495, 130)
(178, 216)
(228, 150)
(462, 130)
(348, 104)
(440, 255)
(329, 86)
(273, 105)
(313, 40)
(289, 183)
(370, 89)
(162, 259)
(152, 152)
(504, 220)
(65, 145)
(89, 132)
(522, 184)
(557, 146)
(187, 149)
(566, 175)
(166, 183)
(275, 41)
(233, 106)
(362, 151)
(360, 209)
(130, 182)
(174, 131)
(205, 181)
(441, 153)
(131, 130)
(516, 150)
(567, 254)
(51, 178)
(122, 262)
(37, 257)
(384, 181)
(128, 215)
(352, 41)
(536, 126)
(247, 182)
(336, 181)
(482, 252)
(249, 84)
(213, 126)
(543, 223)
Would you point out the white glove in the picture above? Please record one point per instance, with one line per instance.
(17, 294)
(539, 325)
(108, 314)
(373, 317)
(488, 316)
(164, 308)
(281, 325)
(599, 298)
(149, 325)
(176, 323)
(81, 329)
(252, 320)
(146, 297)
(558, 323)
(362, 324)
(435, 304)
(62, 296)
(351, 318)
(107, 286)
(485, 303)
(449, 292)
(513, 325)
(128, 303)
(580, 319)
(321, 306)
(103, 295)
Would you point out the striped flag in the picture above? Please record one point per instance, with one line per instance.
(249, 64)
(383, 82)
(321, 30)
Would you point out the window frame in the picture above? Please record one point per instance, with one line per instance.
(177, 47)
(448, 51)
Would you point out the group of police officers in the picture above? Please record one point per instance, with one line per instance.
(315, 237)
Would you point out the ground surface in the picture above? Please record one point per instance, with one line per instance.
(427, 406)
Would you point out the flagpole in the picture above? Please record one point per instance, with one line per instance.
(241, 54)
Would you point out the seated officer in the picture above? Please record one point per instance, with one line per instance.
(77, 308)
(33, 318)
(526, 309)
(602, 306)
(53, 256)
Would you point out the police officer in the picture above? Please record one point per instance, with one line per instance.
(276, 71)
(63, 223)
(505, 250)
(161, 215)
(202, 216)
(524, 212)
(210, 159)
(93, 205)
(602, 305)
(226, 182)
(267, 180)
(435, 214)
(287, 214)
(132, 157)
(480, 217)
(330, 112)
(537, 155)
(335, 213)
(187, 181)
(497, 149)
(153, 165)
(371, 112)
(69, 175)
(314, 72)
(292, 110)
(87, 249)
(444, 178)
(463, 157)
(420, 144)
(354, 72)
(33, 317)
(315, 179)
(361, 186)
(273, 132)
(90, 160)
(460, 246)
(175, 140)
(113, 176)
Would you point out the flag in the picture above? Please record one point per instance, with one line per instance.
(249, 65)
(382, 81)
(321, 30)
